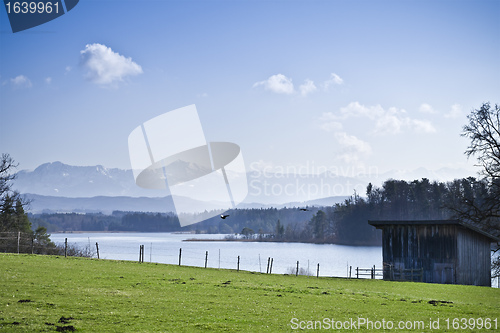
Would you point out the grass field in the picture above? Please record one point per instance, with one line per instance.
(51, 293)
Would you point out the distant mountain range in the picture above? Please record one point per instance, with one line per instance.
(106, 205)
(60, 187)
(58, 179)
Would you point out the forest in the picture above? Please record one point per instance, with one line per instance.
(345, 223)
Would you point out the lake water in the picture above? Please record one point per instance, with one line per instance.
(164, 248)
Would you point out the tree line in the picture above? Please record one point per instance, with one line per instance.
(262, 220)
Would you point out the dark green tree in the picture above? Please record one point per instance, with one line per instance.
(319, 225)
(280, 230)
(42, 243)
(247, 232)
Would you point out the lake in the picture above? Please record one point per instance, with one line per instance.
(334, 260)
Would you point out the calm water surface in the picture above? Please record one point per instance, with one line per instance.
(164, 248)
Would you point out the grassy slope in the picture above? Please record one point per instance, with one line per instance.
(121, 296)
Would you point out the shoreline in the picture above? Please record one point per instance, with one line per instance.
(254, 240)
(274, 241)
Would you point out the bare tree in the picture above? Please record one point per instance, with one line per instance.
(6, 178)
(482, 205)
(484, 132)
(12, 216)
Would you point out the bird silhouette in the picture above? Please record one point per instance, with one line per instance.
(304, 209)
(223, 216)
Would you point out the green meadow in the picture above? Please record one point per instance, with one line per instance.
(53, 293)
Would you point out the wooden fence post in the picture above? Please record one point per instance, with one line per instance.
(65, 247)
(357, 272)
(97, 247)
(206, 259)
(238, 269)
(180, 253)
(18, 239)
(141, 253)
(271, 267)
(268, 262)
(32, 244)
(297, 271)
(317, 272)
(350, 272)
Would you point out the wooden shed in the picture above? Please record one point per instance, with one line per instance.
(436, 251)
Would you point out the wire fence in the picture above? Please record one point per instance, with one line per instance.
(23, 242)
(19, 242)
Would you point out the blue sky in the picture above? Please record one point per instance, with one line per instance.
(335, 84)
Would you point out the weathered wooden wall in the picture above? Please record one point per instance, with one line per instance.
(474, 258)
(431, 247)
(443, 252)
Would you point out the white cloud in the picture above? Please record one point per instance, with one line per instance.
(21, 81)
(390, 121)
(329, 122)
(426, 108)
(355, 109)
(104, 66)
(48, 80)
(455, 112)
(281, 84)
(278, 83)
(333, 80)
(307, 88)
(353, 142)
(67, 69)
(422, 126)
(352, 148)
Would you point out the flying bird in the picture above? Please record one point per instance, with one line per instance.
(223, 216)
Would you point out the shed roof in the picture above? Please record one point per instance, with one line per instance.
(381, 223)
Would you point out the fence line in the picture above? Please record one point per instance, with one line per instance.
(25, 242)
(401, 274)
(373, 272)
(18, 242)
(21, 242)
